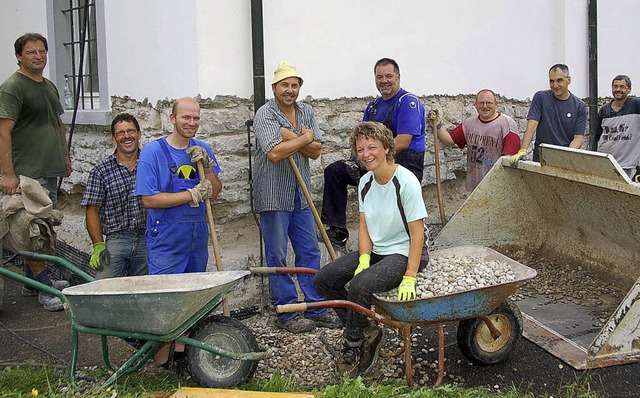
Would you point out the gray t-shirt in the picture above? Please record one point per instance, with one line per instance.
(618, 132)
(558, 120)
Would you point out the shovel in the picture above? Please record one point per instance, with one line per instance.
(325, 237)
(436, 150)
(212, 234)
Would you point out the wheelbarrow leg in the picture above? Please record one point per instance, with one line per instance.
(440, 353)
(406, 336)
(74, 358)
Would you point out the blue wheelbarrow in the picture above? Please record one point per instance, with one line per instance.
(489, 324)
(221, 352)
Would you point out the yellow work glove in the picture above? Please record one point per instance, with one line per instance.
(363, 263)
(198, 153)
(434, 118)
(515, 158)
(407, 288)
(99, 256)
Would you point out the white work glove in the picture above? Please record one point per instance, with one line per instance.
(198, 153)
(202, 191)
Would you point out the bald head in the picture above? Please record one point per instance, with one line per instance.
(180, 102)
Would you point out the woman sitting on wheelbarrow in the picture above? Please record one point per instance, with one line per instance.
(392, 246)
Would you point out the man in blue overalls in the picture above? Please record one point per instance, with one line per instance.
(167, 179)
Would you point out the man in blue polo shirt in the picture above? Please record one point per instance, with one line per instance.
(401, 112)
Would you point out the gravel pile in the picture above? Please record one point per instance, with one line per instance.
(446, 275)
(308, 358)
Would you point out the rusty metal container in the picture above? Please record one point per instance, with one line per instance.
(576, 205)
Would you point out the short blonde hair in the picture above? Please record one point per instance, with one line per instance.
(374, 130)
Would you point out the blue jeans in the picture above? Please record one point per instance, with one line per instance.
(128, 255)
(384, 274)
(298, 226)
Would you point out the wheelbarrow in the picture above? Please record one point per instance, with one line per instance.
(220, 351)
(489, 324)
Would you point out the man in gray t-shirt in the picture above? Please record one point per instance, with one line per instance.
(556, 116)
(618, 131)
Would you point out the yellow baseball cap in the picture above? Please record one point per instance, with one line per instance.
(284, 71)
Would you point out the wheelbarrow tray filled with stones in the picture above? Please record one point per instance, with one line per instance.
(465, 304)
(154, 304)
(572, 217)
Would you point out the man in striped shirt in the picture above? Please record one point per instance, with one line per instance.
(285, 128)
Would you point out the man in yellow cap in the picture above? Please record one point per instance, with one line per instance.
(285, 128)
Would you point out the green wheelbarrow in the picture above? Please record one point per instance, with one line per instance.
(221, 351)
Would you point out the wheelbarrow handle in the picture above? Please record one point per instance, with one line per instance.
(297, 307)
(58, 260)
(283, 270)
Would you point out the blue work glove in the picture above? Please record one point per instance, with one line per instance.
(99, 257)
(363, 264)
(354, 167)
(407, 288)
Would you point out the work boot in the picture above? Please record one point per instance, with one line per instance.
(338, 236)
(328, 320)
(350, 356)
(298, 324)
(28, 292)
(49, 302)
(375, 337)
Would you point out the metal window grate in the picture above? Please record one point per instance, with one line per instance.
(82, 43)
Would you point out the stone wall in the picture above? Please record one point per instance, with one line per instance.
(224, 127)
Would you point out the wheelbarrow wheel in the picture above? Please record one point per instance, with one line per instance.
(210, 370)
(478, 345)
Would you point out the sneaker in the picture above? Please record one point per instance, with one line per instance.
(49, 302)
(348, 362)
(328, 320)
(338, 236)
(28, 292)
(375, 337)
(298, 324)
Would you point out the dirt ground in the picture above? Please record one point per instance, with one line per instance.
(31, 335)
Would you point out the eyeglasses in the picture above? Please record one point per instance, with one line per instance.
(123, 132)
(32, 53)
(485, 103)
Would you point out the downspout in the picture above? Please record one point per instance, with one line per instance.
(257, 47)
(593, 71)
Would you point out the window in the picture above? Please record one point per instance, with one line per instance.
(77, 58)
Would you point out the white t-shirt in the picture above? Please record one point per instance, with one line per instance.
(382, 205)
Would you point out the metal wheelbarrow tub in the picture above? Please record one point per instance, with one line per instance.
(461, 305)
(152, 304)
(576, 206)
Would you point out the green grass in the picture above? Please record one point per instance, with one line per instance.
(52, 382)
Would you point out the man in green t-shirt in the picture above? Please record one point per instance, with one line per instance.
(32, 137)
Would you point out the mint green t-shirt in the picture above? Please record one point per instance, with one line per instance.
(382, 212)
(37, 145)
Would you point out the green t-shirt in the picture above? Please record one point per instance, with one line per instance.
(37, 145)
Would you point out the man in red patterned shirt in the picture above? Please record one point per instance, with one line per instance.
(487, 136)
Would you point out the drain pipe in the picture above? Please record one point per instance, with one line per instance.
(593, 71)
(257, 48)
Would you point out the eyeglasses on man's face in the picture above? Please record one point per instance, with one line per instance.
(123, 132)
(485, 103)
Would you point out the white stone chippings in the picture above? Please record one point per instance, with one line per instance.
(454, 274)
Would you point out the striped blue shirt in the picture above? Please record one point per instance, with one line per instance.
(275, 183)
(111, 187)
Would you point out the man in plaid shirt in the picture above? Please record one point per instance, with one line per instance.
(112, 210)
